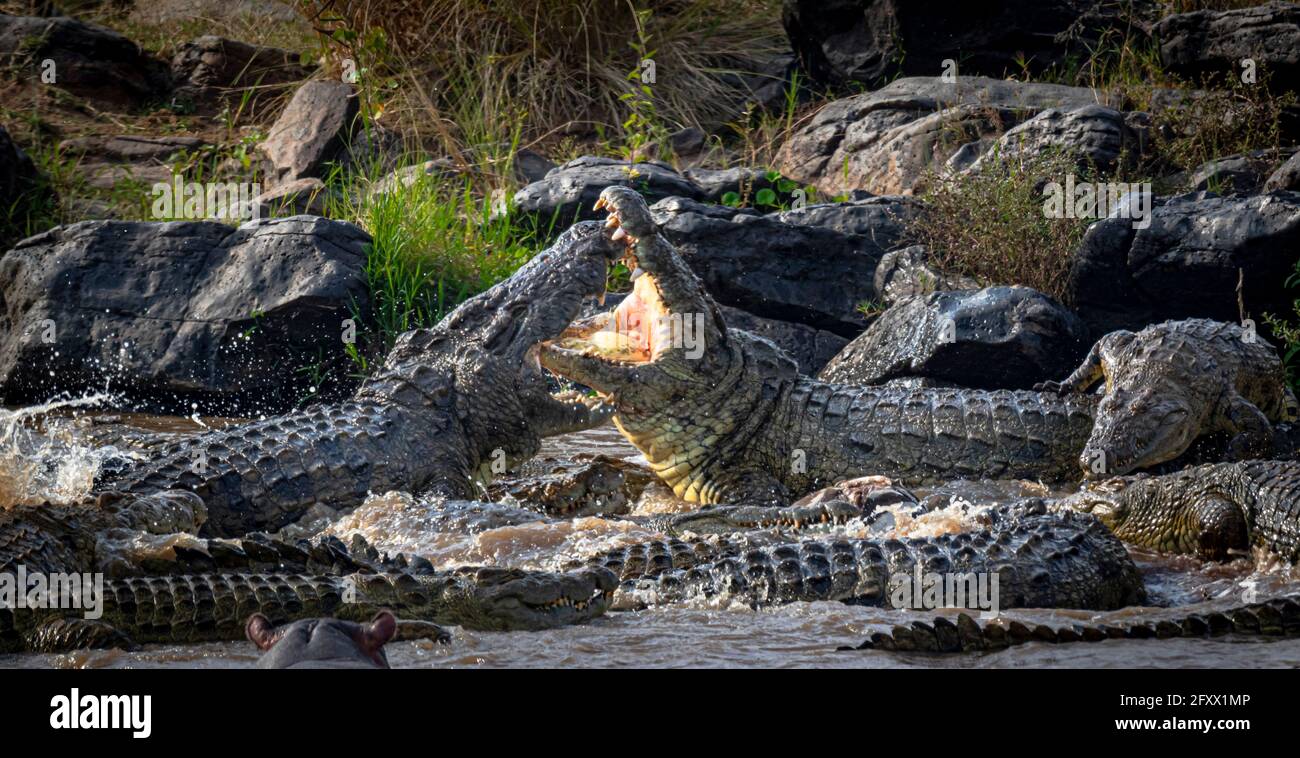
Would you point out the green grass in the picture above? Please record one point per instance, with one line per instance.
(435, 244)
(1286, 331)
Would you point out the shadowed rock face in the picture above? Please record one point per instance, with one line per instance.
(567, 193)
(1216, 42)
(90, 61)
(1187, 262)
(873, 41)
(995, 338)
(180, 312)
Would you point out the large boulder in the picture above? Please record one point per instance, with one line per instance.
(89, 61)
(23, 190)
(205, 68)
(1287, 176)
(999, 337)
(799, 272)
(1211, 42)
(811, 348)
(886, 141)
(1099, 137)
(315, 128)
(872, 41)
(568, 193)
(1244, 173)
(189, 312)
(1188, 262)
(908, 272)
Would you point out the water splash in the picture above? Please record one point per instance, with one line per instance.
(47, 462)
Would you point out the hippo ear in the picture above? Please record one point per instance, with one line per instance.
(382, 628)
(260, 632)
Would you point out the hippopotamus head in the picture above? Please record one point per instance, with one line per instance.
(322, 643)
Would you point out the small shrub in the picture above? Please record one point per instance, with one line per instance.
(990, 224)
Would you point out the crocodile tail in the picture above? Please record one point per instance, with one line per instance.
(1277, 617)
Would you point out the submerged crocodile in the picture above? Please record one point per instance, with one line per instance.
(1276, 617)
(457, 401)
(723, 416)
(1211, 511)
(1038, 559)
(186, 588)
(1169, 384)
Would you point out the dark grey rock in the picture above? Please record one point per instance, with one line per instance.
(715, 183)
(688, 142)
(873, 41)
(999, 337)
(170, 314)
(301, 196)
(811, 348)
(90, 61)
(813, 275)
(569, 192)
(1211, 42)
(1287, 176)
(882, 219)
(907, 273)
(1241, 174)
(203, 68)
(1187, 263)
(531, 166)
(315, 128)
(23, 191)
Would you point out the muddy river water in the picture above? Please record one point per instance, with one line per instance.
(57, 458)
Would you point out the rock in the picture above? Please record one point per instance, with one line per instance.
(106, 161)
(1187, 262)
(907, 273)
(158, 12)
(716, 183)
(1099, 136)
(1243, 174)
(883, 219)
(179, 313)
(203, 68)
(805, 274)
(872, 41)
(301, 196)
(1000, 337)
(90, 61)
(314, 129)
(23, 191)
(1287, 176)
(688, 142)
(569, 193)
(811, 348)
(1211, 42)
(886, 141)
(531, 166)
(439, 168)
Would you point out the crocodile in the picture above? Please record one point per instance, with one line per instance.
(1039, 559)
(1275, 617)
(1174, 382)
(212, 607)
(724, 416)
(452, 405)
(1212, 511)
(163, 583)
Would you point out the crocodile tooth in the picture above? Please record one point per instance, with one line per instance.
(618, 234)
(636, 274)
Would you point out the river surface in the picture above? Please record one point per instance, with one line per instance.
(54, 453)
